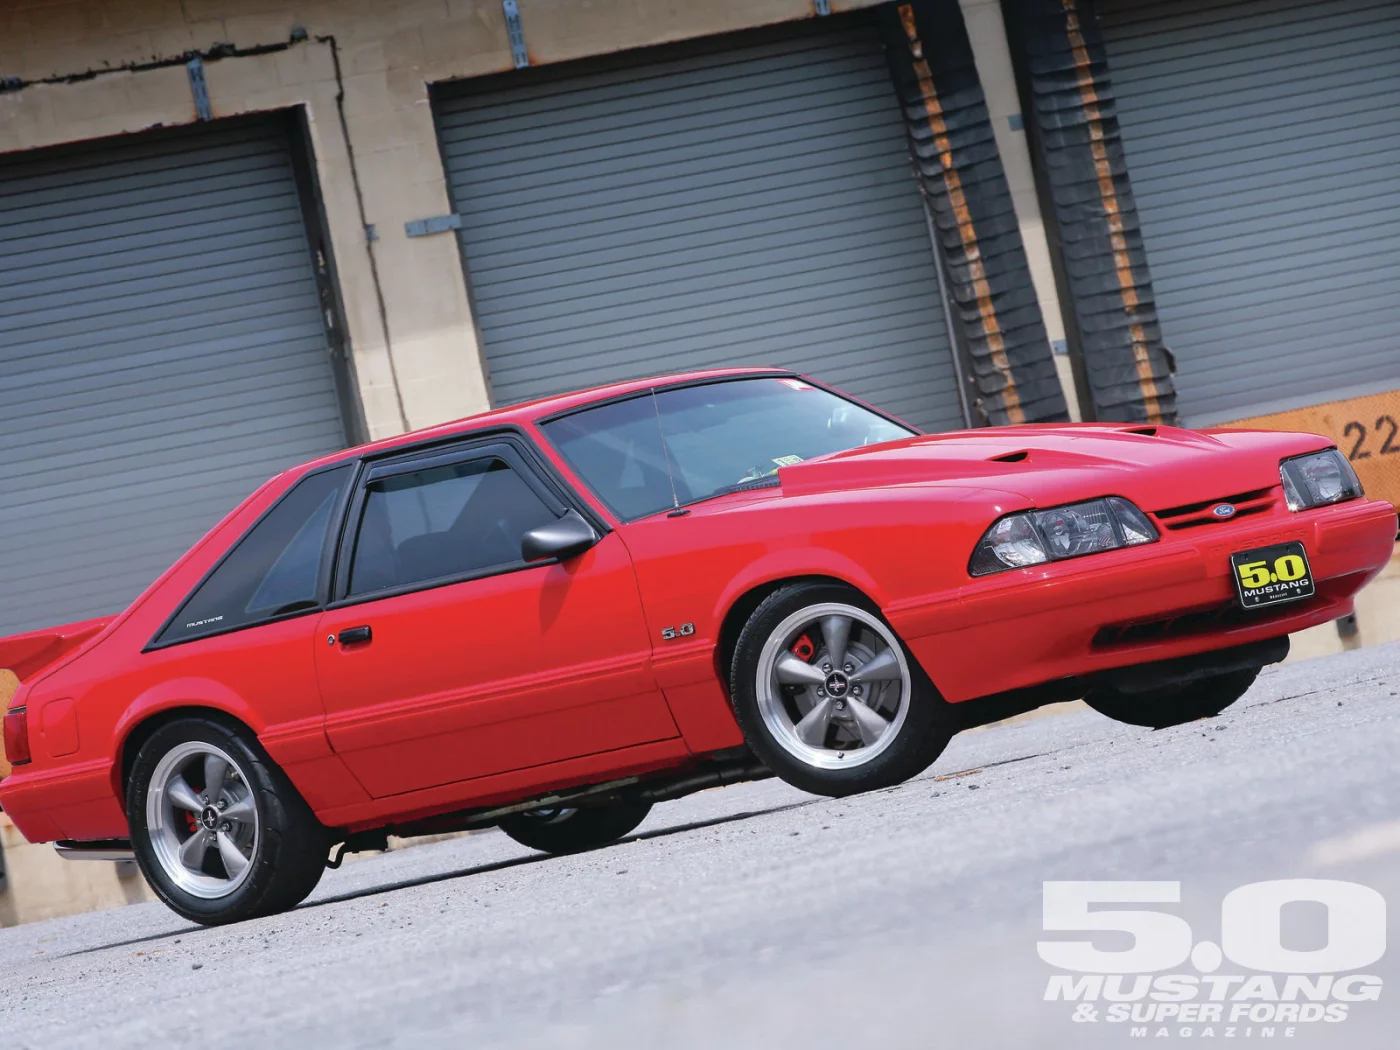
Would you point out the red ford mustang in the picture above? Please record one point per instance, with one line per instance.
(550, 617)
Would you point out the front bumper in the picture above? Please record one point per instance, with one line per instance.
(1167, 599)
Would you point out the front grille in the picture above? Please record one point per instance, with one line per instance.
(1194, 515)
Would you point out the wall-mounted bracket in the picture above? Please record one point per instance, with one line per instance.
(199, 89)
(518, 52)
(437, 224)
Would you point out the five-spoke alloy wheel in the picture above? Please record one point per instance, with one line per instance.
(828, 696)
(204, 837)
(219, 831)
(833, 685)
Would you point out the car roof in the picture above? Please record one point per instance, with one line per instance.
(531, 411)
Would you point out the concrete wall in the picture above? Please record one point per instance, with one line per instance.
(39, 884)
(1377, 619)
(389, 51)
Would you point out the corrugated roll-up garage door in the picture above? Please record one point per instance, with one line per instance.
(754, 204)
(162, 352)
(1263, 141)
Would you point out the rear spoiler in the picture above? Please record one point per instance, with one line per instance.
(28, 654)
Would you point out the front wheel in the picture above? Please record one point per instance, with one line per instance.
(829, 697)
(563, 829)
(219, 831)
(1173, 707)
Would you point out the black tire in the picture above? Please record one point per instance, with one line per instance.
(290, 851)
(922, 737)
(1173, 707)
(565, 830)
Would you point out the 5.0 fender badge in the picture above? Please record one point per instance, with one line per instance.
(683, 630)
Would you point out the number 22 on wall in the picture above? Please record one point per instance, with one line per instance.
(1384, 425)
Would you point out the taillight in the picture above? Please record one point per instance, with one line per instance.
(17, 737)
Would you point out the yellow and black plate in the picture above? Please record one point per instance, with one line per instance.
(1270, 575)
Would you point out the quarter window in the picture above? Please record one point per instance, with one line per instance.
(275, 570)
(443, 521)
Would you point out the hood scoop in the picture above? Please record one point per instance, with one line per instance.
(1015, 456)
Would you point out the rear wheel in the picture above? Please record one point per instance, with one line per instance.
(219, 831)
(565, 830)
(1173, 707)
(829, 697)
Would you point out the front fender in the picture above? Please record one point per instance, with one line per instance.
(797, 562)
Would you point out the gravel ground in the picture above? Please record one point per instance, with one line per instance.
(760, 916)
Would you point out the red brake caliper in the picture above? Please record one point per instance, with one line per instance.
(803, 649)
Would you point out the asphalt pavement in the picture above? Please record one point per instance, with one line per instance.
(759, 916)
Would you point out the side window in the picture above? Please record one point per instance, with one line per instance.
(443, 521)
(617, 449)
(274, 570)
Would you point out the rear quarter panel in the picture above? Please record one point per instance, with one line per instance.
(263, 677)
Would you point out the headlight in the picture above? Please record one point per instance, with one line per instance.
(1036, 536)
(1318, 479)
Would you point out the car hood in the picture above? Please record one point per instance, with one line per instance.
(1157, 467)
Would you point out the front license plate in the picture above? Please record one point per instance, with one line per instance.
(1269, 575)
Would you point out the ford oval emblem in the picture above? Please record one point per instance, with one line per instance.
(1224, 510)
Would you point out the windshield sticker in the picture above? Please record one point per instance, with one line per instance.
(786, 461)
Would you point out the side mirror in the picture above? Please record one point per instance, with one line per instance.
(565, 538)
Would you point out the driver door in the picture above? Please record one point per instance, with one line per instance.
(446, 657)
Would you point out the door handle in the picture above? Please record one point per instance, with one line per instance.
(355, 635)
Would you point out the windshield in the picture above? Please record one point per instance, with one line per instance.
(679, 446)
